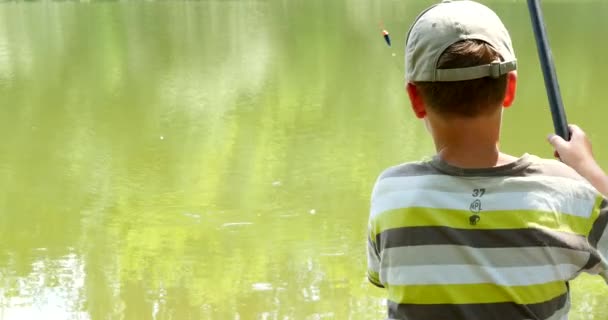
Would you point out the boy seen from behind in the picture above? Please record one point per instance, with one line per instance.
(475, 233)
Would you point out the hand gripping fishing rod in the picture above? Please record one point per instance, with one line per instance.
(546, 61)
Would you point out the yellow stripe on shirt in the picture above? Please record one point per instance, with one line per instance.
(490, 220)
(475, 293)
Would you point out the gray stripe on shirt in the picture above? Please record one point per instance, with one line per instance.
(502, 238)
(496, 257)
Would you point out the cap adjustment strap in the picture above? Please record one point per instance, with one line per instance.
(494, 70)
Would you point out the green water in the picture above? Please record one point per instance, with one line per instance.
(214, 159)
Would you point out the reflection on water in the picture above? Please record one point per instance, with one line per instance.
(51, 289)
(213, 160)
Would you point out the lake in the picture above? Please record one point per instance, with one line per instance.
(214, 159)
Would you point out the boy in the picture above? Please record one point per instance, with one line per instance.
(475, 233)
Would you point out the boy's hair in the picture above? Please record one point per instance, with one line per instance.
(469, 98)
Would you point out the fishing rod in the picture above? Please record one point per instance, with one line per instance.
(548, 67)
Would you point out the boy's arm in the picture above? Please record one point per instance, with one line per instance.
(598, 239)
(578, 154)
(596, 176)
(373, 251)
(373, 262)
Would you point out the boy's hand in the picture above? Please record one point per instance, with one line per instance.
(577, 153)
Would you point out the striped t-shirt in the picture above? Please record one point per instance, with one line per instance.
(499, 243)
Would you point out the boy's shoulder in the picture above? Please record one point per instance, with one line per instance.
(408, 169)
(529, 174)
(551, 168)
(526, 166)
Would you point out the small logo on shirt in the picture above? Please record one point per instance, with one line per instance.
(474, 219)
(475, 206)
(475, 209)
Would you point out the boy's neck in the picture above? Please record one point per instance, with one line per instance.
(470, 142)
(480, 157)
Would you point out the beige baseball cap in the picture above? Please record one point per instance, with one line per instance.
(443, 24)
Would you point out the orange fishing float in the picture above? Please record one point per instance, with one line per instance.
(387, 37)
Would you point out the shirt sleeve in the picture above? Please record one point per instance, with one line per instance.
(598, 238)
(373, 250)
(373, 263)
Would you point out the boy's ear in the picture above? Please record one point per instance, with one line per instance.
(416, 100)
(511, 88)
